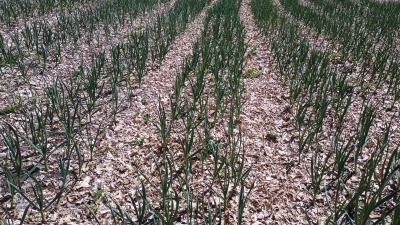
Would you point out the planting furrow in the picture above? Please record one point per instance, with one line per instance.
(278, 196)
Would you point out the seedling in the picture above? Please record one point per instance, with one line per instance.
(252, 52)
(251, 73)
(93, 207)
(138, 141)
(333, 54)
(7, 110)
(368, 85)
(146, 118)
(98, 194)
(271, 136)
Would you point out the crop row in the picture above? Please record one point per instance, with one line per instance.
(45, 41)
(375, 16)
(357, 28)
(60, 127)
(11, 11)
(206, 95)
(373, 58)
(354, 171)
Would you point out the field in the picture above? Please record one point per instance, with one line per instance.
(199, 112)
